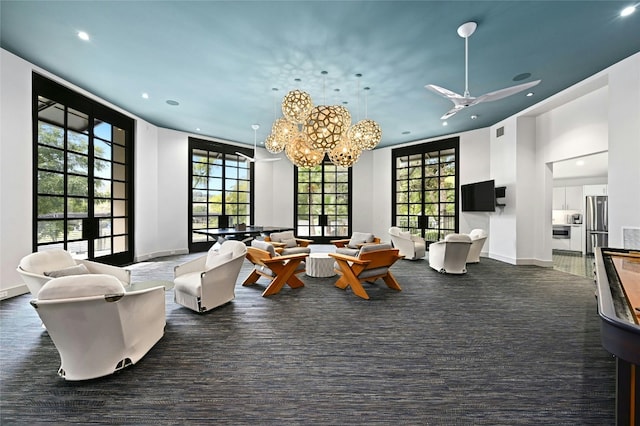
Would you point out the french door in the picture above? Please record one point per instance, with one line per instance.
(323, 202)
(425, 188)
(221, 189)
(83, 175)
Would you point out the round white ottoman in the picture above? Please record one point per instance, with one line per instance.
(320, 265)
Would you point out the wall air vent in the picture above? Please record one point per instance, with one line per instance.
(499, 131)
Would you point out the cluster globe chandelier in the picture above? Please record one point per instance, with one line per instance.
(306, 132)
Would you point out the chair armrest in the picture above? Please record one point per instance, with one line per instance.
(340, 243)
(280, 259)
(351, 259)
(193, 265)
(122, 274)
(303, 242)
(277, 245)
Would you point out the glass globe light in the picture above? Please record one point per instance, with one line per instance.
(365, 134)
(324, 127)
(273, 145)
(296, 106)
(301, 154)
(345, 154)
(284, 130)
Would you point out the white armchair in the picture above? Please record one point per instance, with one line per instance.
(38, 268)
(450, 255)
(96, 326)
(478, 238)
(412, 247)
(210, 280)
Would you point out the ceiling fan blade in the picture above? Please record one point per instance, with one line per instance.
(245, 156)
(268, 159)
(443, 92)
(503, 93)
(453, 111)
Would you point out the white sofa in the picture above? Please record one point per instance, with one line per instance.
(412, 247)
(36, 269)
(209, 280)
(96, 326)
(478, 238)
(449, 256)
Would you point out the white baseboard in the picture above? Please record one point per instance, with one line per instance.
(153, 255)
(10, 292)
(523, 261)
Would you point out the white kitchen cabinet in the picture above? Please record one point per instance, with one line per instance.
(558, 198)
(576, 238)
(561, 244)
(595, 190)
(567, 198)
(573, 198)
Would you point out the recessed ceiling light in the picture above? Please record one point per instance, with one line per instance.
(580, 163)
(529, 94)
(145, 95)
(444, 123)
(197, 129)
(172, 102)
(474, 117)
(522, 76)
(628, 11)
(83, 36)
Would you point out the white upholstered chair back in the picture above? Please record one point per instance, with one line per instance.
(412, 247)
(209, 281)
(478, 238)
(96, 326)
(450, 255)
(34, 267)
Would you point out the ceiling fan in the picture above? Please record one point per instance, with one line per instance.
(461, 102)
(255, 128)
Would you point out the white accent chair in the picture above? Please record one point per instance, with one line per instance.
(449, 256)
(209, 281)
(96, 326)
(478, 238)
(36, 269)
(412, 247)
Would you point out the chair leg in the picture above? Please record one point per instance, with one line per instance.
(285, 274)
(391, 281)
(350, 279)
(358, 290)
(251, 279)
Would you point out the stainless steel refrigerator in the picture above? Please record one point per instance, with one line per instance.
(596, 222)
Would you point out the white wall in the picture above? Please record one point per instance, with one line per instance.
(146, 189)
(15, 169)
(602, 118)
(579, 127)
(502, 223)
(624, 148)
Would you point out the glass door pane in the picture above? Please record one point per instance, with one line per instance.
(323, 202)
(221, 190)
(425, 189)
(82, 175)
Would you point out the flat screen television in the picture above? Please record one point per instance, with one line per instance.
(479, 196)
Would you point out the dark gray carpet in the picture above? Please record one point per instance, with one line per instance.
(502, 345)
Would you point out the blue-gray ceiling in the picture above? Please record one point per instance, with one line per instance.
(221, 60)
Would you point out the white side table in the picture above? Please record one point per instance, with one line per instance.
(320, 265)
